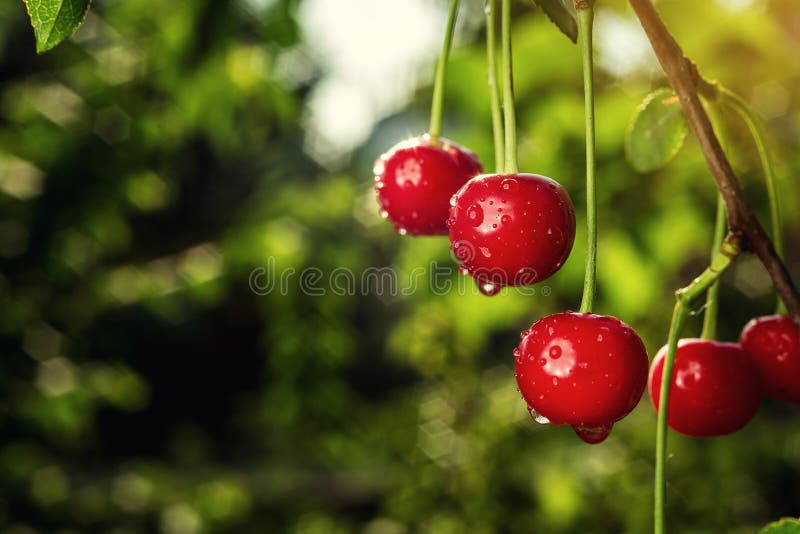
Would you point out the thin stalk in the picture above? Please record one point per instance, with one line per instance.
(494, 89)
(435, 129)
(678, 318)
(730, 249)
(585, 19)
(734, 101)
(712, 297)
(508, 91)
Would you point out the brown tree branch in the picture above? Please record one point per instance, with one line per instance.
(682, 75)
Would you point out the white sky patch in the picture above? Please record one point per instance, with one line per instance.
(622, 46)
(735, 5)
(371, 51)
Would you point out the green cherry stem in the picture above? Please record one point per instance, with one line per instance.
(494, 89)
(712, 296)
(585, 19)
(730, 249)
(435, 129)
(508, 91)
(740, 106)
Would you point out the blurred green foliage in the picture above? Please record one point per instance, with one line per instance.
(149, 164)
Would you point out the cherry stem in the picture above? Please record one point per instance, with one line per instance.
(585, 19)
(712, 297)
(508, 90)
(494, 89)
(435, 129)
(732, 100)
(729, 251)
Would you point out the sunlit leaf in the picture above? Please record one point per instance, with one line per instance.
(560, 15)
(657, 132)
(784, 526)
(55, 20)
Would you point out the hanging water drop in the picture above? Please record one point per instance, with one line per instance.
(593, 434)
(489, 289)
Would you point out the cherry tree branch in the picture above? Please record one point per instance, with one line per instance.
(687, 83)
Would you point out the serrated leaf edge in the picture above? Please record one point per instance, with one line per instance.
(45, 45)
(629, 132)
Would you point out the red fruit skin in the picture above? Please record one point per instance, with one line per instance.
(715, 387)
(581, 369)
(773, 343)
(415, 179)
(511, 229)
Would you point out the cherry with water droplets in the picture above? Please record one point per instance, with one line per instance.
(773, 343)
(715, 389)
(416, 179)
(511, 229)
(566, 375)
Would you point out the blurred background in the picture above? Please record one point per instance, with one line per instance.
(169, 150)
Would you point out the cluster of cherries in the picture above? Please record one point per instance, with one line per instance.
(579, 369)
(716, 387)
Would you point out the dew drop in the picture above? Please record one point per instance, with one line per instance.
(451, 221)
(539, 418)
(453, 200)
(555, 380)
(524, 333)
(505, 219)
(379, 167)
(555, 352)
(486, 252)
(593, 434)
(599, 338)
(494, 225)
(462, 270)
(583, 365)
(517, 353)
(384, 214)
(475, 215)
(509, 184)
(402, 231)
(489, 289)
(542, 362)
(551, 330)
(414, 215)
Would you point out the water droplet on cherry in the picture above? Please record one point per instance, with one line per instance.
(539, 418)
(475, 215)
(593, 434)
(489, 289)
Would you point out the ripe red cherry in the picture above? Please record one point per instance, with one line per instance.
(415, 179)
(581, 369)
(511, 229)
(715, 387)
(773, 343)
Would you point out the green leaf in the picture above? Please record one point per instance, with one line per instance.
(560, 15)
(784, 526)
(657, 132)
(55, 20)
